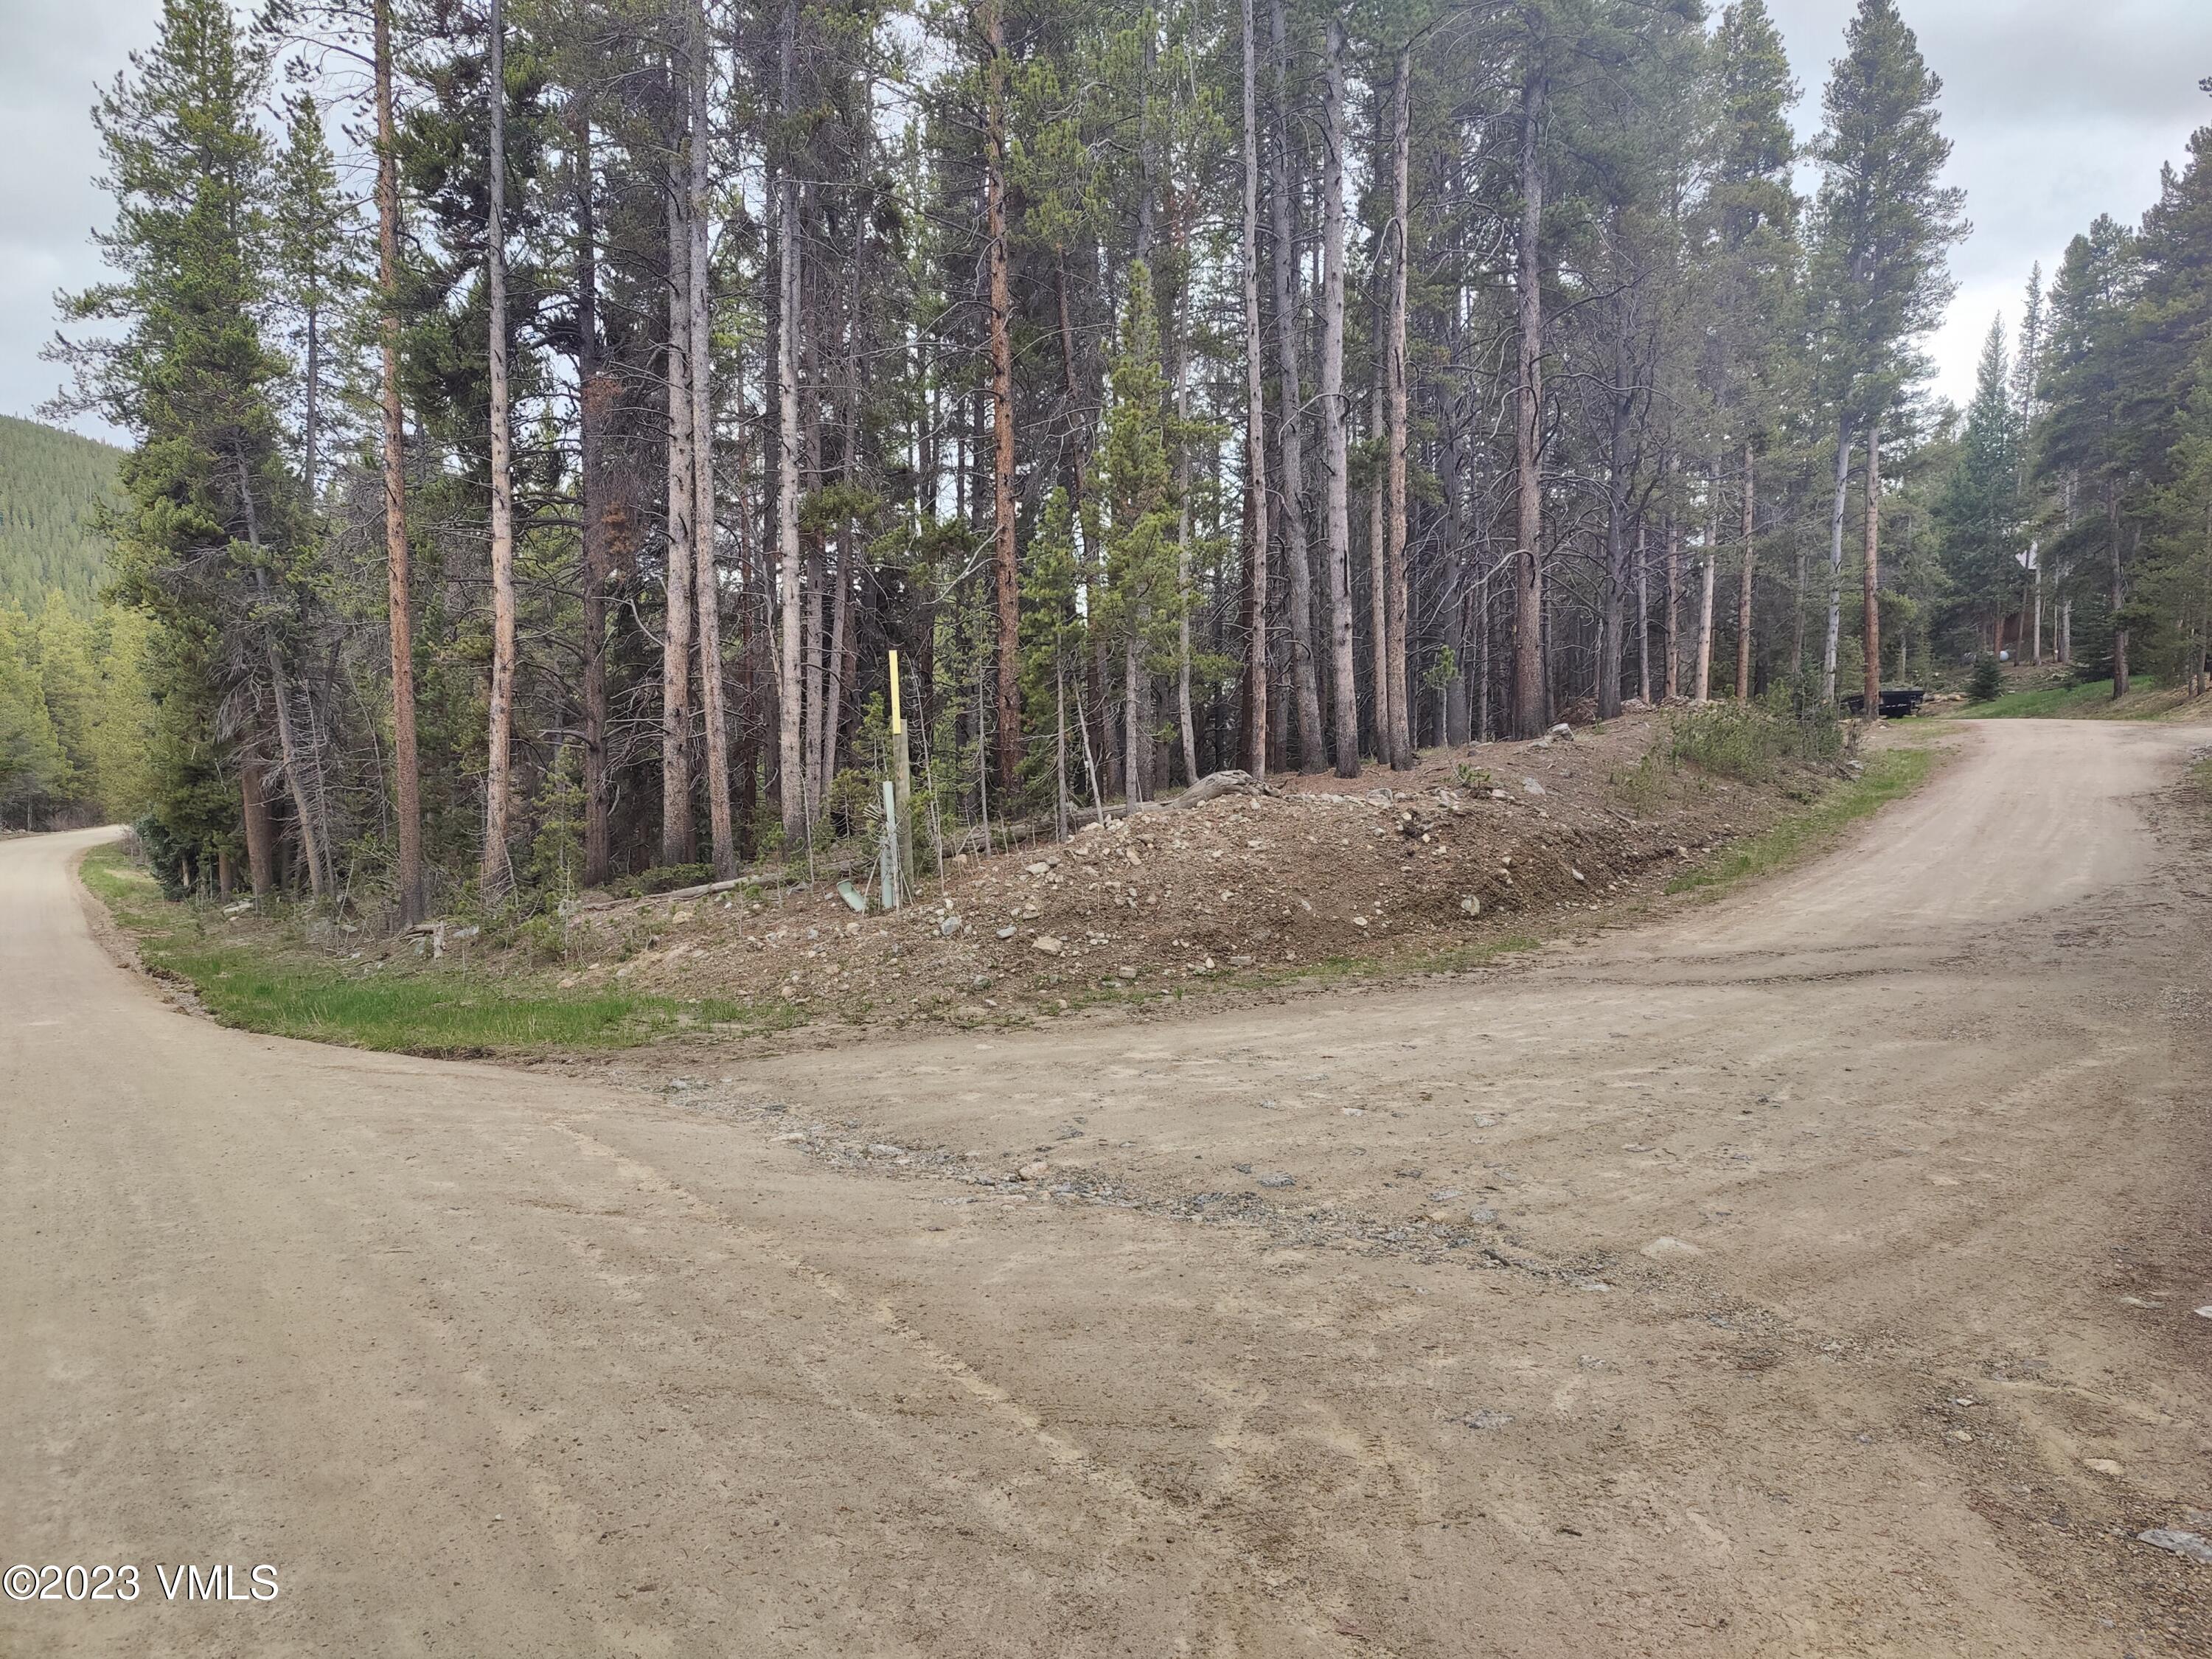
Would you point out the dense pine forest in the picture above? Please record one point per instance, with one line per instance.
(553, 419)
(74, 698)
(53, 487)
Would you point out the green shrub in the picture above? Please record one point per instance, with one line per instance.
(1643, 788)
(1748, 740)
(1988, 682)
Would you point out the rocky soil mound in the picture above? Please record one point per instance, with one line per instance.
(1468, 853)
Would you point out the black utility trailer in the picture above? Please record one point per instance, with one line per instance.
(1897, 702)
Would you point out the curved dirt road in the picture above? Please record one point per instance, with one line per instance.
(1815, 1276)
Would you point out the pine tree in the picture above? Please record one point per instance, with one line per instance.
(1751, 212)
(1882, 224)
(318, 266)
(1135, 509)
(213, 527)
(1980, 512)
(2094, 383)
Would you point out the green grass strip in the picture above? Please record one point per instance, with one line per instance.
(1889, 775)
(257, 986)
(2091, 700)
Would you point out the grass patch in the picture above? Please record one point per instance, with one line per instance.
(2092, 700)
(1889, 775)
(256, 984)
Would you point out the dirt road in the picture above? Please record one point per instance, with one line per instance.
(1813, 1275)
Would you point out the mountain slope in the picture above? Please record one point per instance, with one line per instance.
(51, 486)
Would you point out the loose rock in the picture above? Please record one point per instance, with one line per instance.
(2190, 1544)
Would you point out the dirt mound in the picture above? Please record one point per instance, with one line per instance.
(1460, 856)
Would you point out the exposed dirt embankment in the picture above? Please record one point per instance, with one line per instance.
(1471, 852)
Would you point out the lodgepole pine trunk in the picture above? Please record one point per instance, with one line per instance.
(1003, 561)
(1703, 684)
(1399, 746)
(708, 611)
(1743, 587)
(1612, 641)
(679, 840)
(1836, 558)
(1670, 634)
(1335, 448)
(1290, 420)
(592, 396)
(2119, 594)
(1381, 649)
(2035, 568)
(1186, 728)
(1256, 426)
(407, 785)
(790, 724)
(1643, 614)
(1873, 572)
(1528, 700)
(496, 872)
(260, 842)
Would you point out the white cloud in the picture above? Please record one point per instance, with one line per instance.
(2057, 111)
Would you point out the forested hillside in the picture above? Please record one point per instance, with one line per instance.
(74, 701)
(1273, 385)
(52, 484)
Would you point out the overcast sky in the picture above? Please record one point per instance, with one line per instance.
(2060, 110)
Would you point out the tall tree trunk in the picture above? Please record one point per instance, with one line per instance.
(700, 355)
(311, 387)
(592, 396)
(1836, 558)
(1452, 600)
(1613, 596)
(2120, 593)
(816, 647)
(792, 769)
(1670, 633)
(1382, 649)
(1873, 572)
(835, 661)
(2064, 626)
(313, 842)
(1743, 587)
(1058, 748)
(1008, 717)
(407, 785)
(751, 632)
(841, 609)
(1704, 683)
(1290, 420)
(1255, 423)
(1186, 728)
(679, 840)
(1335, 449)
(1529, 699)
(1643, 614)
(260, 838)
(496, 874)
(1136, 737)
(1400, 745)
(2035, 570)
